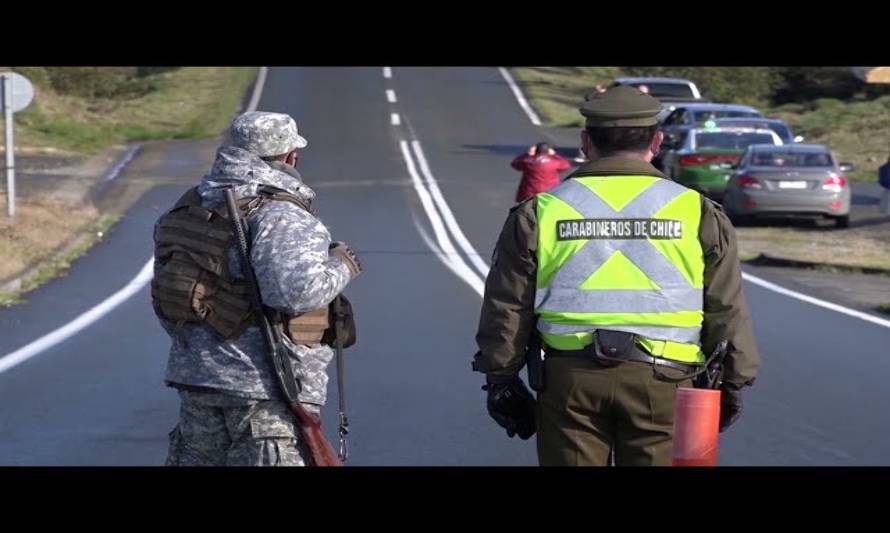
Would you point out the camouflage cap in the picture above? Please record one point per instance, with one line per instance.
(620, 107)
(266, 134)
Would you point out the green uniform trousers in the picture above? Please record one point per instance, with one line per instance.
(588, 412)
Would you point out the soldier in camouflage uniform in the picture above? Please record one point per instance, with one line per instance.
(231, 408)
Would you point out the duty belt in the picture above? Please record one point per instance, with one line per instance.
(634, 354)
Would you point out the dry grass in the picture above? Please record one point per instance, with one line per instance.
(37, 231)
(856, 247)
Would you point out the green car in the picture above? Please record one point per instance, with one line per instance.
(702, 158)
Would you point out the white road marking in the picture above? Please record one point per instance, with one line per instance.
(448, 255)
(387, 72)
(523, 103)
(257, 89)
(394, 119)
(119, 167)
(391, 96)
(80, 323)
(453, 226)
(815, 301)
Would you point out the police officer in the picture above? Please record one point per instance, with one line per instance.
(232, 413)
(628, 280)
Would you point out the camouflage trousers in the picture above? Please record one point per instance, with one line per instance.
(217, 429)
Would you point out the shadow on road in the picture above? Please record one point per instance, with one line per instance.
(569, 152)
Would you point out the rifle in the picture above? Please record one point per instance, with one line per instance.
(341, 380)
(321, 453)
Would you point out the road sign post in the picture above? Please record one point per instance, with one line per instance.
(17, 95)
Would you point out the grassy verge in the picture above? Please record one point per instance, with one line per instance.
(885, 308)
(178, 103)
(36, 237)
(856, 130)
(849, 250)
(39, 228)
(184, 103)
(94, 231)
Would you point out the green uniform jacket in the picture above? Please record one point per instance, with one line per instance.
(508, 316)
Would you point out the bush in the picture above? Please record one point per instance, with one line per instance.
(36, 75)
(104, 82)
(150, 71)
(766, 86)
(799, 84)
(744, 85)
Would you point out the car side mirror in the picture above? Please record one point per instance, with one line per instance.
(799, 139)
(847, 167)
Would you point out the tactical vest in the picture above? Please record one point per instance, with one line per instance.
(193, 283)
(621, 253)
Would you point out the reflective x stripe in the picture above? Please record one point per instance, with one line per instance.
(685, 335)
(564, 294)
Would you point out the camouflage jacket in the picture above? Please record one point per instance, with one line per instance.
(294, 272)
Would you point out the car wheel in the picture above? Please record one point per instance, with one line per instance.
(842, 222)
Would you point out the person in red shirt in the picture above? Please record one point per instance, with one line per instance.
(540, 168)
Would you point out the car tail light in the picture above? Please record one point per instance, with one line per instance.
(835, 183)
(748, 182)
(690, 160)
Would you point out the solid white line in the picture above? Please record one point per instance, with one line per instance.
(519, 97)
(116, 170)
(387, 72)
(257, 89)
(391, 96)
(459, 236)
(815, 301)
(450, 257)
(80, 323)
(394, 119)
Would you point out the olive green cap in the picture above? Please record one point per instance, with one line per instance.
(620, 107)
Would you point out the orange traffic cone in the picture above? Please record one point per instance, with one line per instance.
(696, 427)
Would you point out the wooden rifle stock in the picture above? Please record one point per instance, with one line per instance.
(321, 453)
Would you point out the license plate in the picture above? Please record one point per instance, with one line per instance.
(792, 184)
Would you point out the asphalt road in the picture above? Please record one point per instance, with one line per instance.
(98, 398)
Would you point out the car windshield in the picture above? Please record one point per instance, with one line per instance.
(731, 140)
(791, 159)
(667, 90)
(703, 116)
(781, 130)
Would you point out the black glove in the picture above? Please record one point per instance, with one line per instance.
(512, 406)
(339, 249)
(730, 405)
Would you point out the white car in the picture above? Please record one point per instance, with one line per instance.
(669, 91)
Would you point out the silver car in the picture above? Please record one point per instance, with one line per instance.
(800, 180)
